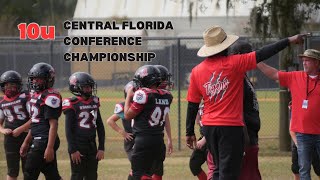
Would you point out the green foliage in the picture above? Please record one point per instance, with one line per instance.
(43, 12)
(281, 18)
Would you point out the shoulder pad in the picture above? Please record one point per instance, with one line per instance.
(52, 101)
(140, 96)
(66, 102)
(118, 108)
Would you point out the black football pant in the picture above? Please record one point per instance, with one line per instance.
(35, 163)
(226, 144)
(12, 149)
(88, 167)
(128, 147)
(198, 157)
(157, 166)
(147, 149)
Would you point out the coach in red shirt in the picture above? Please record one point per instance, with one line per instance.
(305, 92)
(218, 80)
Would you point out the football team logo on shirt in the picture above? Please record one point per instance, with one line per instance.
(139, 96)
(53, 101)
(216, 87)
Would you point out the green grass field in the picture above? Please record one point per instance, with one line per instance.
(273, 164)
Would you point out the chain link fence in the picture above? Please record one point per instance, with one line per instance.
(177, 54)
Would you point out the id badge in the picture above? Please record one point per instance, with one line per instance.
(305, 104)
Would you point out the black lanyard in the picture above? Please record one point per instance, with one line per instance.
(315, 84)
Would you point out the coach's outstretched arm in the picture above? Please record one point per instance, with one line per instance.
(269, 71)
(271, 49)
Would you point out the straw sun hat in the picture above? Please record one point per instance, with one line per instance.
(215, 40)
(311, 53)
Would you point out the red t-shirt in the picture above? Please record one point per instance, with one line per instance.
(303, 120)
(219, 82)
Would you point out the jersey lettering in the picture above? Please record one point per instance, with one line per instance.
(87, 121)
(158, 116)
(34, 111)
(18, 113)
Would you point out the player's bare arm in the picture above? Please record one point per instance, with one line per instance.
(168, 131)
(111, 121)
(25, 145)
(3, 130)
(201, 142)
(16, 132)
(293, 136)
(101, 137)
(269, 71)
(49, 152)
(129, 113)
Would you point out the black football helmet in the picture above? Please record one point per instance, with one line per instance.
(165, 75)
(44, 71)
(80, 79)
(11, 77)
(146, 76)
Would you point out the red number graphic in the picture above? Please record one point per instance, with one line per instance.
(33, 31)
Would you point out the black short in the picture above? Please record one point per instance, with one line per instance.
(147, 150)
(295, 163)
(35, 163)
(198, 157)
(88, 167)
(157, 167)
(12, 149)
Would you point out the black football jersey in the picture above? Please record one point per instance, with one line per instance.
(14, 110)
(44, 105)
(156, 105)
(84, 126)
(251, 111)
(119, 111)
